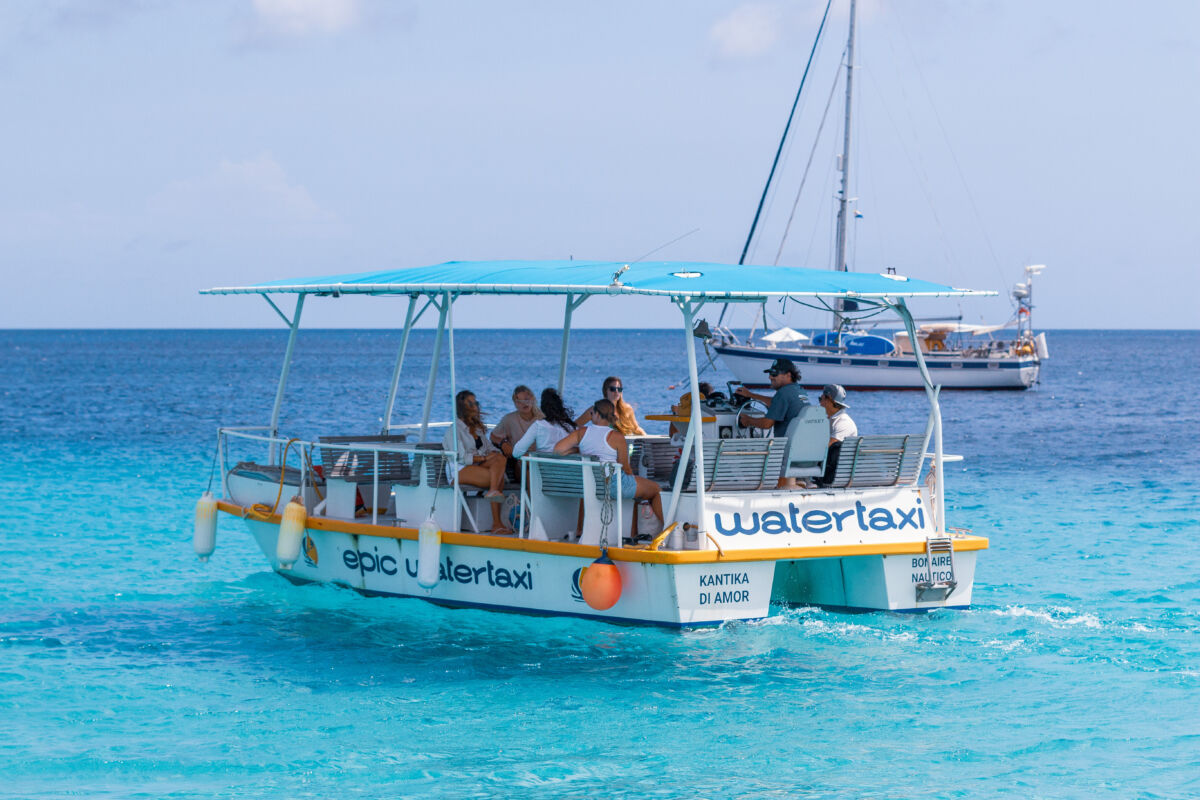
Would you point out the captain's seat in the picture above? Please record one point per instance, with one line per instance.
(807, 444)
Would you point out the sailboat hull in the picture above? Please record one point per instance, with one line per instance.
(818, 368)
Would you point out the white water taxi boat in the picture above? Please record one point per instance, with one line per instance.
(959, 354)
(732, 546)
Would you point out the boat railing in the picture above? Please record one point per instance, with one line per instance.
(571, 476)
(415, 426)
(303, 448)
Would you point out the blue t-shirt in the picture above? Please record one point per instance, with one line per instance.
(785, 405)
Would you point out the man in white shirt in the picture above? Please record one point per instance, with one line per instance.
(833, 400)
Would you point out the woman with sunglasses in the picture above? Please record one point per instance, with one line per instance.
(480, 463)
(626, 421)
(602, 439)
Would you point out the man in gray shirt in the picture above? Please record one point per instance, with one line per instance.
(782, 407)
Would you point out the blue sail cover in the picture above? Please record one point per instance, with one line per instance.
(684, 279)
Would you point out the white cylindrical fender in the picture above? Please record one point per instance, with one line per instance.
(204, 537)
(1039, 344)
(429, 554)
(291, 532)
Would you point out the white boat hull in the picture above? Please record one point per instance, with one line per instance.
(739, 554)
(883, 372)
(853, 559)
(538, 583)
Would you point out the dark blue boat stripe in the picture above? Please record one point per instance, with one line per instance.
(875, 361)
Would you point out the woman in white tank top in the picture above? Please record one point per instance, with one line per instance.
(594, 442)
(599, 438)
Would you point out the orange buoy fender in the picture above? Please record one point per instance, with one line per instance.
(291, 532)
(600, 583)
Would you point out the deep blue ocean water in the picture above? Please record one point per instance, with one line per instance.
(128, 669)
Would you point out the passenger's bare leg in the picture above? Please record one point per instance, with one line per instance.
(495, 463)
(474, 475)
(499, 525)
(648, 490)
(480, 476)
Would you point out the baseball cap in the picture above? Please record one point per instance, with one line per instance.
(835, 393)
(781, 365)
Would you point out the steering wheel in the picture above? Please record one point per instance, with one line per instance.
(751, 408)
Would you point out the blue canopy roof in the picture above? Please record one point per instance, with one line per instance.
(669, 278)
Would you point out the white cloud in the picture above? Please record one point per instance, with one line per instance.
(255, 194)
(305, 17)
(749, 31)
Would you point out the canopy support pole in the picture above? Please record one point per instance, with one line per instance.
(680, 474)
(282, 315)
(689, 314)
(935, 414)
(433, 367)
(409, 320)
(448, 315)
(400, 365)
(572, 304)
(293, 326)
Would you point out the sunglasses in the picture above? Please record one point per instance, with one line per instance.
(774, 372)
(616, 388)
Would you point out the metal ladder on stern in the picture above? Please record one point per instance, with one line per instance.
(930, 590)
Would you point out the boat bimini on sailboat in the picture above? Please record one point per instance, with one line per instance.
(732, 546)
(959, 354)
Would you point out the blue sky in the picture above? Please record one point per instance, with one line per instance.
(153, 148)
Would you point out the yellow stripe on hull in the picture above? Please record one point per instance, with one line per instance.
(962, 542)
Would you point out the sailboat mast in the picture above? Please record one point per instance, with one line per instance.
(844, 199)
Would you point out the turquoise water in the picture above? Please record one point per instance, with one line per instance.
(127, 669)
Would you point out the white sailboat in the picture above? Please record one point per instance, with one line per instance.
(959, 356)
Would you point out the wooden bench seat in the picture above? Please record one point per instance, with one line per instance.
(358, 465)
(879, 460)
(659, 457)
(565, 477)
(559, 484)
(429, 465)
(733, 465)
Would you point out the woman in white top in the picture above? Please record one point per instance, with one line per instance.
(600, 438)
(544, 433)
(480, 463)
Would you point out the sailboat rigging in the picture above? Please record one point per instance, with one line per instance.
(847, 355)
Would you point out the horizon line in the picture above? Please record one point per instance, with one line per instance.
(474, 328)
